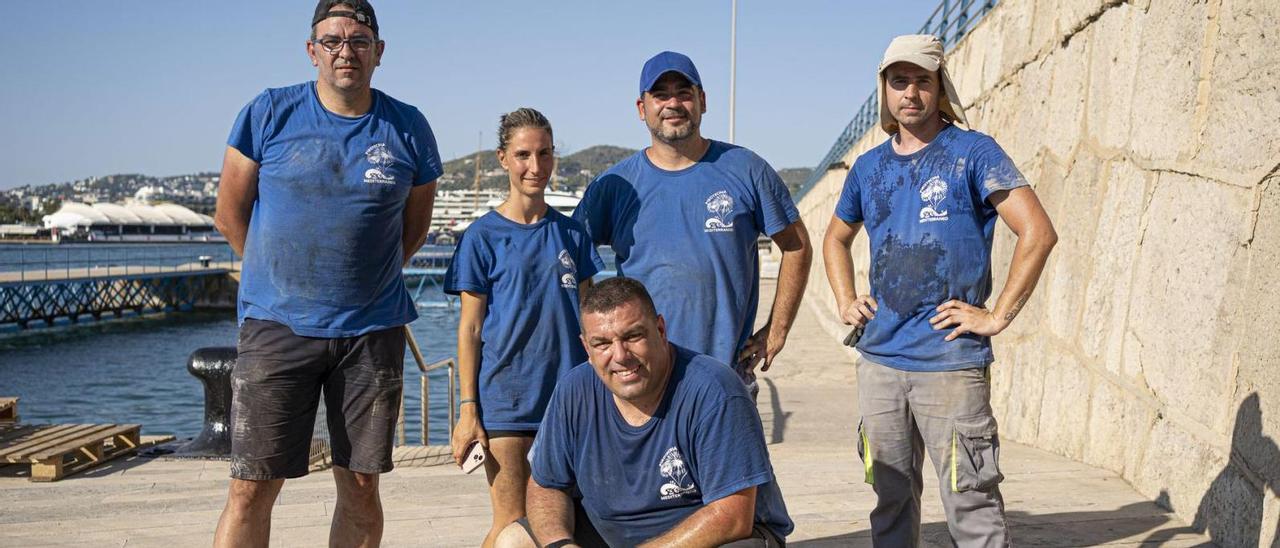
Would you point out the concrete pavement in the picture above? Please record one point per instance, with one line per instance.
(808, 404)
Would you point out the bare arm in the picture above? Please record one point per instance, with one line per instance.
(720, 522)
(838, 260)
(417, 218)
(793, 274)
(237, 191)
(468, 428)
(1021, 210)
(550, 513)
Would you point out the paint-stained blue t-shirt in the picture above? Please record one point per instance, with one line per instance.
(529, 274)
(690, 237)
(930, 226)
(323, 254)
(703, 443)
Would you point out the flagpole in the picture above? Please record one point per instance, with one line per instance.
(733, 64)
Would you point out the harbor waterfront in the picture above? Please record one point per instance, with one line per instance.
(133, 370)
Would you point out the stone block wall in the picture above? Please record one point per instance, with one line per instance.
(1151, 132)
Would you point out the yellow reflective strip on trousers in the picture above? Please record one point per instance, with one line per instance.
(869, 475)
(954, 489)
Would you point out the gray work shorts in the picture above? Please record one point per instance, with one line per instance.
(276, 387)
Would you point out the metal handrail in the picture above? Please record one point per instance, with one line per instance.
(425, 385)
(950, 22)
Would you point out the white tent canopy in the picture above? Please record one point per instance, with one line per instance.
(76, 214)
(73, 214)
(182, 215)
(119, 214)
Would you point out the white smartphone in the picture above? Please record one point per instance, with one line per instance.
(475, 458)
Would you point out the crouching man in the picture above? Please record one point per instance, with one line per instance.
(652, 445)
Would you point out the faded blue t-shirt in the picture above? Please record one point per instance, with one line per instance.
(930, 226)
(690, 237)
(529, 274)
(703, 443)
(323, 253)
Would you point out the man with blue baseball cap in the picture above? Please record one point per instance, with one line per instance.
(683, 217)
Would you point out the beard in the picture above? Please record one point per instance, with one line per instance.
(671, 135)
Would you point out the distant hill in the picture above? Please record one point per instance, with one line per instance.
(573, 171)
(198, 191)
(581, 167)
(28, 203)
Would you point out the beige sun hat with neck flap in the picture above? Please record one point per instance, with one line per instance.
(924, 51)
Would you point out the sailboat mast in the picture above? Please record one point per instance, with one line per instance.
(475, 190)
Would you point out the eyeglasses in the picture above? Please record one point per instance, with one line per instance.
(333, 44)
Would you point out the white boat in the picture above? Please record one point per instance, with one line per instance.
(455, 209)
(564, 202)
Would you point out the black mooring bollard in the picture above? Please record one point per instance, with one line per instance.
(213, 367)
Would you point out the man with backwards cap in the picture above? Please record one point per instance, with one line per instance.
(683, 216)
(929, 197)
(326, 190)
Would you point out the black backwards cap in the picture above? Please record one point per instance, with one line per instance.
(360, 10)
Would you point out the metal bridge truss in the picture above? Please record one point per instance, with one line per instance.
(76, 299)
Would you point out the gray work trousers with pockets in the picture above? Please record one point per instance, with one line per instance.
(947, 413)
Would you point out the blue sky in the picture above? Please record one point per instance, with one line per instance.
(150, 86)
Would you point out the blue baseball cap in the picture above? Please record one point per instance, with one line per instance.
(668, 61)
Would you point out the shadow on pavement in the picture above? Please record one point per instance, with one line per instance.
(778, 425)
(1060, 529)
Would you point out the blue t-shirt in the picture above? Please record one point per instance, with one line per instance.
(930, 226)
(690, 237)
(323, 253)
(703, 443)
(529, 274)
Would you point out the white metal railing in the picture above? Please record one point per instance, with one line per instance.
(97, 260)
(425, 386)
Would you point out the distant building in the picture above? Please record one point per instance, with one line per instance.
(22, 232)
(130, 222)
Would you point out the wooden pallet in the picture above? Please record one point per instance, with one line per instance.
(56, 451)
(8, 411)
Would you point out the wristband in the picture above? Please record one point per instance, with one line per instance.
(466, 401)
(559, 543)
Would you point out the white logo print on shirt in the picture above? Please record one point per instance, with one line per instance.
(568, 271)
(672, 467)
(720, 204)
(933, 192)
(381, 159)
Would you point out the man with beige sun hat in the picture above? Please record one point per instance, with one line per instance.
(929, 197)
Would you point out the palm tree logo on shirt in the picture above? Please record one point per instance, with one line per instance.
(568, 271)
(933, 192)
(720, 204)
(673, 468)
(381, 159)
